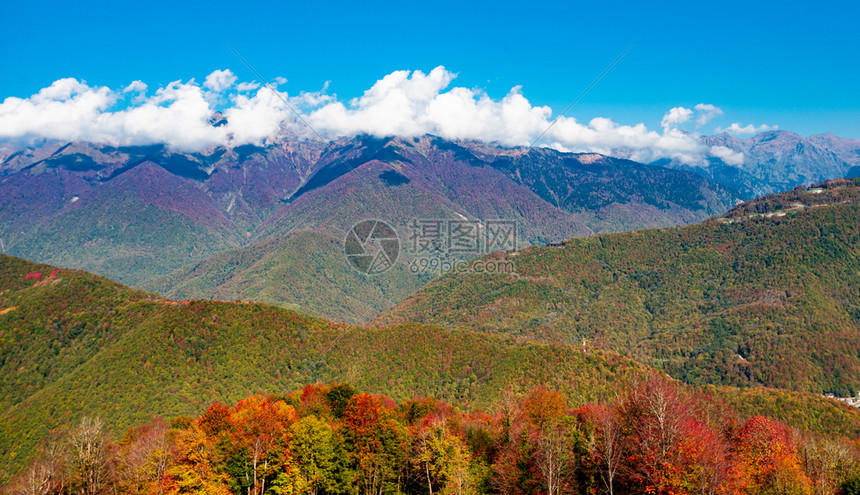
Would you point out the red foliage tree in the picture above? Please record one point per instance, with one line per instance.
(767, 459)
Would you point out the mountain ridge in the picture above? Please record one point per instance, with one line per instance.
(777, 160)
(153, 218)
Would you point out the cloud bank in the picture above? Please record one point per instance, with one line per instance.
(403, 103)
(746, 130)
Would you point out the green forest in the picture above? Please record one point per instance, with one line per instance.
(767, 295)
(74, 343)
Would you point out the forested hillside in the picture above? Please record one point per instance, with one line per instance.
(74, 344)
(767, 295)
(306, 272)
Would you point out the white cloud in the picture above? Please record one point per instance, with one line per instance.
(136, 87)
(728, 155)
(68, 109)
(739, 129)
(247, 86)
(177, 115)
(311, 100)
(220, 80)
(706, 113)
(395, 105)
(675, 117)
(254, 119)
(405, 103)
(61, 89)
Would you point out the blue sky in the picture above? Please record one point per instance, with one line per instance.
(794, 65)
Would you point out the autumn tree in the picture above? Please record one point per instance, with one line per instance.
(456, 466)
(47, 473)
(539, 440)
(376, 443)
(829, 462)
(193, 468)
(215, 420)
(338, 398)
(657, 438)
(314, 400)
(605, 443)
(670, 444)
(423, 455)
(442, 457)
(542, 406)
(313, 452)
(553, 436)
(701, 463)
(88, 446)
(513, 468)
(260, 430)
(142, 459)
(768, 460)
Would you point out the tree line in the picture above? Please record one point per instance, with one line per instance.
(655, 437)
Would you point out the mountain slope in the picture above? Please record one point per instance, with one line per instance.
(305, 272)
(136, 212)
(768, 294)
(72, 343)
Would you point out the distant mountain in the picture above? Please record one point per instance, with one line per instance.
(775, 161)
(149, 217)
(136, 212)
(768, 294)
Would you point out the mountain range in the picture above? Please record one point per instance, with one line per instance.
(237, 224)
(212, 224)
